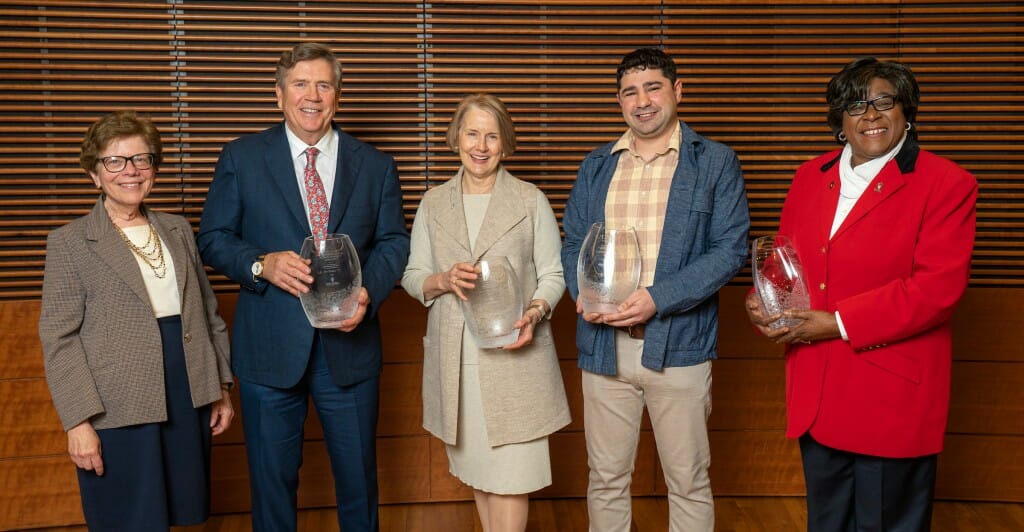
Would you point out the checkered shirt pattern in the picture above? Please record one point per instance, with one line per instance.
(315, 196)
(638, 196)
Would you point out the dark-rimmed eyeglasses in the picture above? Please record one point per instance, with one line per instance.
(859, 107)
(116, 163)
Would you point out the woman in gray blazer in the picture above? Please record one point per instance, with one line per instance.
(493, 408)
(136, 355)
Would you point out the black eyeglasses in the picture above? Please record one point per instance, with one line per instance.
(859, 107)
(116, 163)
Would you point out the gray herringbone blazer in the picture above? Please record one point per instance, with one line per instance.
(101, 342)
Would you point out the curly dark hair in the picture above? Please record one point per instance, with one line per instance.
(119, 125)
(854, 80)
(645, 59)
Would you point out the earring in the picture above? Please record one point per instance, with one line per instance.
(841, 136)
(909, 126)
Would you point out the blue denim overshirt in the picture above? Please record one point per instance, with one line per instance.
(703, 245)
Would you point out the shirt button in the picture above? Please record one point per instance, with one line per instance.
(821, 286)
(824, 249)
(188, 337)
(832, 185)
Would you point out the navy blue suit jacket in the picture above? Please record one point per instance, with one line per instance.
(255, 207)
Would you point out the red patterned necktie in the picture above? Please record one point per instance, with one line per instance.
(315, 196)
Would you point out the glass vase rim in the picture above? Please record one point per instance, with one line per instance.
(616, 227)
(329, 236)
(492, 258)
(773, 237)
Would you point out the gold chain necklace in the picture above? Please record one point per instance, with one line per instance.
(152, 252)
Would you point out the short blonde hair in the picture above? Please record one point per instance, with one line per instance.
(491, 104)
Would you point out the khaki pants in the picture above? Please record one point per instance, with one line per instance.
(679, 402)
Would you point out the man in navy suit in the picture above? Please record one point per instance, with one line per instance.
(268, 194)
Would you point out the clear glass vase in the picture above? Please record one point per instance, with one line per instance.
(778, 278)
(337, 279)
(608, 269)
(495, 304)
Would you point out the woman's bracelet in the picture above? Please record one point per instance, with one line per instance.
(540, 308)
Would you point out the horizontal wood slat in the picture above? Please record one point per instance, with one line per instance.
(753, 72)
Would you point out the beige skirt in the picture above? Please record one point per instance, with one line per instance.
(511, 469)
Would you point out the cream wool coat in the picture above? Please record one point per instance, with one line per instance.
(522, 391)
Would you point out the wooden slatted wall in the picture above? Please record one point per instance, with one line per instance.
(754, 74)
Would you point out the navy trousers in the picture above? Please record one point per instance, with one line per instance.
(850, 492)
(273, 420)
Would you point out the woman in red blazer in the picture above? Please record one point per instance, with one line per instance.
(885, 231)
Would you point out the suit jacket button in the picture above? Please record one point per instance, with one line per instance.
(188, 337)
(821, 286)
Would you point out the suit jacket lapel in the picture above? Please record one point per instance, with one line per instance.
(346, 175)
(828, 199)
(108, 245)
(885, 184)
(451, 217)
(504, 211)
(278, 158)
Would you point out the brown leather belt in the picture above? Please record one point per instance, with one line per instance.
(635, 332)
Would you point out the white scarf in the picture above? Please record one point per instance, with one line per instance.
(854, 180)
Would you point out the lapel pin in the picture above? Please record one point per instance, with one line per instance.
(878, 187)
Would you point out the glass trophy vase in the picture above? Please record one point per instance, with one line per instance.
(495, 304)
(778, 278)
(337, 279)
(608, 269)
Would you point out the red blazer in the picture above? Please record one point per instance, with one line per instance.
(894, 270)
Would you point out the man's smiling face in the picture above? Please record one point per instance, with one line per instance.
(308, 97)
(649, 102)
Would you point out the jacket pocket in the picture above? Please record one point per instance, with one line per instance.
(692, 330)
(586, 337)
(895, 363)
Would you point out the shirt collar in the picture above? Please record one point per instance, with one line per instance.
(628, 139)
(869, 169)
(853, 180)
(328, 144)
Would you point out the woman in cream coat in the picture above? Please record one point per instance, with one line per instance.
(493, 408)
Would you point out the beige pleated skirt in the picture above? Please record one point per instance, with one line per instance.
(511, 469)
